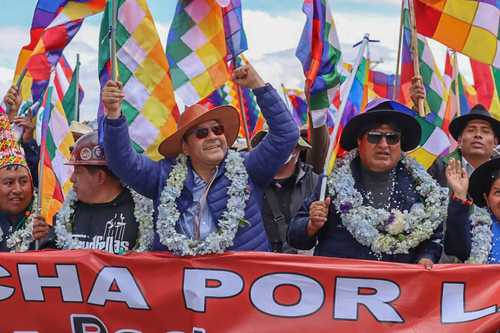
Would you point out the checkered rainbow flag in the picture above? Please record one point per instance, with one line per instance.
(469, 27)
(149, 103)
(196, 49)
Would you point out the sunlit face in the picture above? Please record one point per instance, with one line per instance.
(380, 156)
(493, 198)
(477, 139)
(16, 189)
(208, 151)
(84, 183)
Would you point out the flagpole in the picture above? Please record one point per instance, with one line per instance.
(242, 105)
(398, 62)
(112, 39)
(77, 87)
(457, 92)
(414, 49)
(42, 157)
(285, 96)
(333, 142)
(244, 117)
(18, 86)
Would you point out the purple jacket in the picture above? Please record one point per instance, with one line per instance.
(148, 177)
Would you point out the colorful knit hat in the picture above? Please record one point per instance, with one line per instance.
(10, 151)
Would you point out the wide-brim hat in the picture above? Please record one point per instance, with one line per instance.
(458, 124)
(383, 111)
(225, 115)
(257, 138)
(481, 180)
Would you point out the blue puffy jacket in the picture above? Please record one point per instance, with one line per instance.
(148, 177)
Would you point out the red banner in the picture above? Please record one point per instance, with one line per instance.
(89, 291)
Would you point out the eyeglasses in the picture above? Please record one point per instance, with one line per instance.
(391, 138)
(203, 132)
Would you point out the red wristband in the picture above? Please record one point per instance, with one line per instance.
(467, 202)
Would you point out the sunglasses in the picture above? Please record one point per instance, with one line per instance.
(391, 138)
(203, 132)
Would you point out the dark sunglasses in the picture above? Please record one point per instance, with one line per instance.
(391, 138)
(202, 132)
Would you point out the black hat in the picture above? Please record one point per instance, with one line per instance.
(481, 181)
(383, 111)
(478, 112)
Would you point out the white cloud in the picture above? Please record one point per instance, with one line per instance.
(268, 34)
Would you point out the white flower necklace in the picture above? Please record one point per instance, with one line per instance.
(481, 236)
(21, 239)
(231, 218)
(383, 231)
(143, 213)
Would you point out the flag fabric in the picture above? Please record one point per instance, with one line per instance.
(434, 84)
(380, 85)
(236, 39)
(298, 104)
(228, 95)
(196, 49)
(149, 104)
(487, 84)
(55, 23)
(434, 142)
(65, 85)
(357, 100)
(321, 57)
(469, 27)
(56, 140)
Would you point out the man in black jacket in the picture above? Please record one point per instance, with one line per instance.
(384, 206)
(293, 183)
(102, 216)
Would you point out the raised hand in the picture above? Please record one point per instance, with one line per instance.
(26, 123)
(40, 228)
(247, 77)
(112, 96)
(318, 215)
(417, 90)
(457, 178)
(13, 101)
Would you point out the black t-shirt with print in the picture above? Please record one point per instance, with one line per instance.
(110, 227)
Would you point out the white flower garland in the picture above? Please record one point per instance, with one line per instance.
(388, 232)
(21, 239)
(215, 242)
(481, 236)
(143, 213)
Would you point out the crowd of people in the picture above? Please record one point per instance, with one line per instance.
(205, 197)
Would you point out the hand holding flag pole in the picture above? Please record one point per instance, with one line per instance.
(333, 146)
(414, 49)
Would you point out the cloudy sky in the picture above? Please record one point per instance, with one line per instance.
(273, 29)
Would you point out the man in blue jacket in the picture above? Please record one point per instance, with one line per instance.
(380, 204)
(207, 197)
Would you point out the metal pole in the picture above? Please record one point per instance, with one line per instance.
(333, 136)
